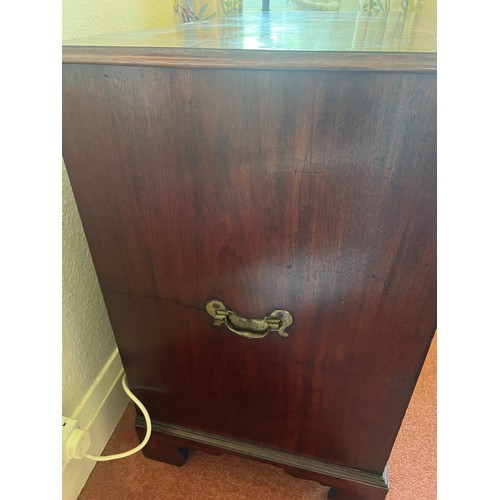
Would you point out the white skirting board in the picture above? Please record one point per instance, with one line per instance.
(99, 412)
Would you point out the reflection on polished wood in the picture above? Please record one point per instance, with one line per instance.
(294, 31)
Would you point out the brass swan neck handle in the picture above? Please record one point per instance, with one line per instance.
(275, 321)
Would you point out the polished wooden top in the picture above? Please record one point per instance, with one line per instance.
(289, 39)
(309, 31)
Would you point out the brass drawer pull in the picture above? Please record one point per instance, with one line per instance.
(276, 321)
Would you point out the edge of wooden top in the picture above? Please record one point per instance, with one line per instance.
(418, 62)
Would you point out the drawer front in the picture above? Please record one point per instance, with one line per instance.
(312, 192)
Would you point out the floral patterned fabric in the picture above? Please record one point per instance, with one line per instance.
(194, 10)
(390, 6)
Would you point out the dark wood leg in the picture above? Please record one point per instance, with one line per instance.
(170, 443)
(164, 449)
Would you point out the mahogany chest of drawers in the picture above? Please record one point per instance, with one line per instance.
(259, 198)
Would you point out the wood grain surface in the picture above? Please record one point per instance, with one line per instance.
(251, 59)
(308, 191)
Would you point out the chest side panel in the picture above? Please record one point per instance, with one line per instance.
(308, 191)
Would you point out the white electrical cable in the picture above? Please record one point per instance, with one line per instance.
(146, 437)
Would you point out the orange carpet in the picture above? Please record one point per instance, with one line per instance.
(412, 465)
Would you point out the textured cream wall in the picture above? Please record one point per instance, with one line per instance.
(93, 17)
(87, 339)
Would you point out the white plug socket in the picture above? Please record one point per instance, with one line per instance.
(76, 442)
